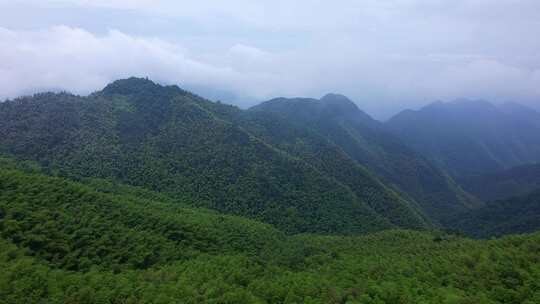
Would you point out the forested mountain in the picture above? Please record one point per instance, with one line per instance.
(104, 225)
(365, 141)
(100, 242)
(517, 181)
(168, 140)
(513, 215)
(472, 137)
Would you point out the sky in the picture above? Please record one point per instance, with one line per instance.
(385, 55)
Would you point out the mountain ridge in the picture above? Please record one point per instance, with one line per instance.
(169, 140)
(367, 142)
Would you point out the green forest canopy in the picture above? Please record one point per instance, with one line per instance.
(99, 242)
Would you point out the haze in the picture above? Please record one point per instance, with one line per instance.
(385, 55)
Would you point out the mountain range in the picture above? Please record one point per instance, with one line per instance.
(368, 143)
(300, 164)
(168, 140)
(468, 138)
(144, 193)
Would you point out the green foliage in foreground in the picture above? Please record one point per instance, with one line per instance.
(75, 227)
(64, 242)
(389, 267)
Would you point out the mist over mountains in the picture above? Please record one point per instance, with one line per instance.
(368, 142)
(404, 172)
(270, 152)
(471, 137)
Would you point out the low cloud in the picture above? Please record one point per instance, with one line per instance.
(384, 55)
(79, 61)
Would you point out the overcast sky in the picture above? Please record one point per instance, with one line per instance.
(385, 55)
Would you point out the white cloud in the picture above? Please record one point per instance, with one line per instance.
(385, 54)
(73, 59)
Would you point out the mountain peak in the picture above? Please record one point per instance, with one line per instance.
(332, 98)
(136, 85)
(129, 86)
(338, 103)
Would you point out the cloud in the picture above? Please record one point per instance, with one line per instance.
(68, 58)
(386, 55)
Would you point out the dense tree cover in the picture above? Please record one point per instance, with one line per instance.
(131, 251)
(472, 137)
(168, 140)
(97, 241)
(329, 159)
(365, 142)
(71, 231)
(501, 185)
(513, 215)
(78, 227)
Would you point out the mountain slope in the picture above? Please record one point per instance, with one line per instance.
(75, 226)
(168, 140)
(365, 141)
(510, 216)
(501, 185)
(306, 144)
(471, 137)
(95, 241)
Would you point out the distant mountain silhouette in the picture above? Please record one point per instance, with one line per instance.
(471, 137)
